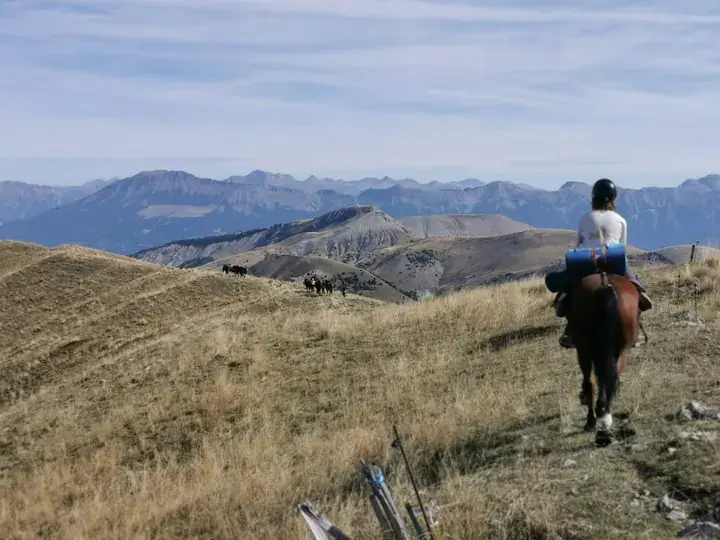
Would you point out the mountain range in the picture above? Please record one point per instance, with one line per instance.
(155, 207)
(19, 200)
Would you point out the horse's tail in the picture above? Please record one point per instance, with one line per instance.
(607, 347)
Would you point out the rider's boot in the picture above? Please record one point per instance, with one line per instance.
(566, 340)
(561, 310)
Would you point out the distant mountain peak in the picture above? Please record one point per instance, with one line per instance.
(154, 172)
(571, 184)
(578, 187)
(472, 182)
(337, 217)
(711, 181)
(162, 174)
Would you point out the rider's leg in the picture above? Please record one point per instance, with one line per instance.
(555, 281)
(566, 339)
(561, 310)
(560, 304)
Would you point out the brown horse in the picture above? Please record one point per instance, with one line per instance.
(604, 320)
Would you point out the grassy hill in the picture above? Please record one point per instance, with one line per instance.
(140, 401)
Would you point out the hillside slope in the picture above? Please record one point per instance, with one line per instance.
(347, 234)
(462, 225)
(296, 268)
(141, 401)
(437, 264)
(358, 281)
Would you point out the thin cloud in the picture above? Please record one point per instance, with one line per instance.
(428, 10)
(403, 85)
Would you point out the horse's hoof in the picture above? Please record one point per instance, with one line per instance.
(589, 427)
(603, 438)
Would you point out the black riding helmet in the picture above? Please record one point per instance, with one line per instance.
(604, 190)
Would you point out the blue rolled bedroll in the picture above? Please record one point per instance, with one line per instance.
(583, 262)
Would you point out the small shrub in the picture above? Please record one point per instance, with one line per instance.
(713, 262)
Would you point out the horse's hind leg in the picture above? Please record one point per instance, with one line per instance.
(587, 393)
(604, 433)
(603, 412)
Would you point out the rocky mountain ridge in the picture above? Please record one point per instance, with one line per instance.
(155, 207)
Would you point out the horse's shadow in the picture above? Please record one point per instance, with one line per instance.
(478, 451)
(481, 450)
(502, 341)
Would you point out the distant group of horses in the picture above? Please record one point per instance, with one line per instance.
(321, 286)
(235, 269)
(313, 283)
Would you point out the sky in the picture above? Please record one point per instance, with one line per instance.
(530, 91)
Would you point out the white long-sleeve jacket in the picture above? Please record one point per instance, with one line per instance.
(600, 228)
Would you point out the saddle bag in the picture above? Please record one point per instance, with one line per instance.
(556, 281)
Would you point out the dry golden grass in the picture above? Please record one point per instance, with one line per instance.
(138, 401)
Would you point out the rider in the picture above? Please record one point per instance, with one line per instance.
(601, 226)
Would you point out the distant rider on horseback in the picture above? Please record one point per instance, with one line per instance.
(602, 226)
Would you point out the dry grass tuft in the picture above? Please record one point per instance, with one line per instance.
(143, 402)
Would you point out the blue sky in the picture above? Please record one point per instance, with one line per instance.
(537, 92)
